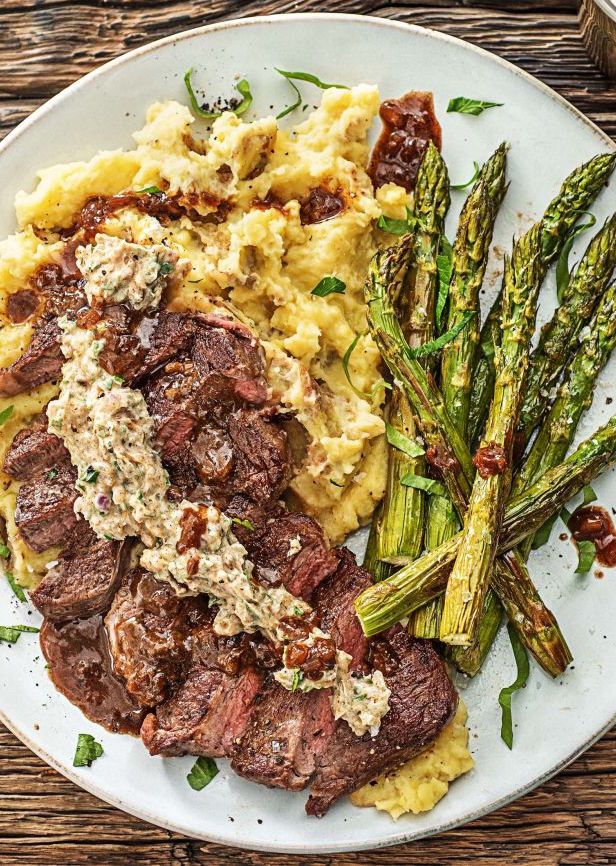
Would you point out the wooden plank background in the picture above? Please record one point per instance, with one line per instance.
(44, 819)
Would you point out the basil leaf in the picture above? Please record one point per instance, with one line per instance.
(589, 495)
(11, 633)
(327, 286)
(240, 521)
(202, 773)
(434, 345)
(428, 485)
(504, 698)
(402, 442)
(345, 367)
(242, 87)
(302, 76)
(17, 589)
(586, 556)
(468, 182)
(465, 105)
(87, 751)
(563, 274)
(542, 535)
(6, 414)
(149, 190)
(444, 267)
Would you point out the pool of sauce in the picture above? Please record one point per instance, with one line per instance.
(409, 124)
(594, 523)
(490, 459)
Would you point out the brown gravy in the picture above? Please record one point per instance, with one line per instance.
(409, 124)
(593, 523)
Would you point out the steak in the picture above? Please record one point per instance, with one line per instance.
(127, 342)
(44, 513)
(34, 451)
(333, 602)
(421, 703)
(262, 465)
(150, 634)
(85, 579)
(80, 667)
(41, 362)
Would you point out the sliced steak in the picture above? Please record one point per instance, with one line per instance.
(262, 464)
(44, 513)
(127, 342)
(422, 701)
(86, 578)
(171, 336)
(34, 451)
(61, 285)
(80, 667)
(290, 548)
(150, 634)
(41, 362)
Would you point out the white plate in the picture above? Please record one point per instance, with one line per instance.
(555, 721)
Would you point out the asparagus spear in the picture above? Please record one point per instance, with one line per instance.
(399, 526)
(468, 582)
(559, 337)
(384, 604)
(469, 260)
(576, 195)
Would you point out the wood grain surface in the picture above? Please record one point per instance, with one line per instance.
(44, 819)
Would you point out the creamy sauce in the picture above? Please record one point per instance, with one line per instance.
(122, 483)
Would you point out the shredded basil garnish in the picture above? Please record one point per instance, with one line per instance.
(297, 678)
(87, 751)
(586, 556)
(465, 105)
(345, 367)
(504, 698)
(542, 535)
(202, 773)
(444, 267)
(327, 286)
(468, 182)
(399, 227)
(149, 190)
(402, 442)
(242, 87)
(563, 274)
(434, 345)
(302, 76)
(242, 521)
(589, 495)
(11, 633)
(6, 414)
(428, 485)
(17, 589)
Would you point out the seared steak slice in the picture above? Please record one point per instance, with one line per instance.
(127, 342)
(34, 451)
(205, 716)
(80, 667)
(422, 701)
(290, 548)
(44, 513)
(85, 580)
(262, 466)
(61, 286)
(150, 634)
(171, 336)
(286, 732)
(41, 362)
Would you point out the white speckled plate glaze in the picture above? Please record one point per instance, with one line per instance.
(555, 721)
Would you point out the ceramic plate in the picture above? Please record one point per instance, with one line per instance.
(555, 721)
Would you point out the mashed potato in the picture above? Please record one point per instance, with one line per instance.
(257, 254)
(419, 784)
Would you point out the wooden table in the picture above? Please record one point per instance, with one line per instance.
(44, 819)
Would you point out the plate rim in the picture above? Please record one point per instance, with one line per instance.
(12, 138)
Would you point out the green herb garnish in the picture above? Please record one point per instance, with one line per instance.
(17, 589)
(434, 345)
(87, 751)
(302, 76)
(563, 274)
(399, 227)
(91, 475)
(149, 190)
(335, 483)
(202, 773)
(243, 521)
(589, 495)
(242, 87)
(465, 105)
(402, 442)
(327, 286)
(11, 633)
(428, 485)
(297, 678)
(165, 268)
(6, 414)
(53, 473)
(504, 698)
(468, 182)
(586, 556)
(345, 367)
(4, 551)
(444, 267)
(542, 536)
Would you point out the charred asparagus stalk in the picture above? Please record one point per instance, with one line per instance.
(384, 604)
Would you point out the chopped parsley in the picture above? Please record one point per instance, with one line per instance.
(53, 473)
(165, 268)
(87, 751)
